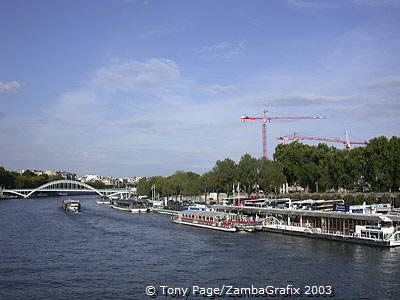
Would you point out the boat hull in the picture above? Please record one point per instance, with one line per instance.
(341, 238)
(139, 210)
(227, 229)
(71, 206)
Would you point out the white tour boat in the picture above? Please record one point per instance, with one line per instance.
(206, 219)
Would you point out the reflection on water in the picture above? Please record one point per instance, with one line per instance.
(111, 254)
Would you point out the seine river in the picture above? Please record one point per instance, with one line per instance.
(107, 254)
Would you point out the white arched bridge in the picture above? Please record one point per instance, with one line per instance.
(68, 186)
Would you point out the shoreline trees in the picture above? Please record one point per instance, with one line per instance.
(320, 168)
(252, 174)
(375, 167)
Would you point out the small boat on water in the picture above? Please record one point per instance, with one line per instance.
(71, 206)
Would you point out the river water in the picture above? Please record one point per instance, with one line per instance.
(108, 254)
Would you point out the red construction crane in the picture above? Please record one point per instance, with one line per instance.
(266, 120)
(295, 137)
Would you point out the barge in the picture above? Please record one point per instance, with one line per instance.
(71, 206)
(366, 228)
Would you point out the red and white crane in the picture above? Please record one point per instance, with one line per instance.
(295, 137)
(265, 119)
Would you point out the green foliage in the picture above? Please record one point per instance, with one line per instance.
(318, 168)
(28, 179)
(180, 183)
(96, 184)
(7, 179)
(28, 173)
(250, 172)
(270, 175)
(225, 174)
(322, 168)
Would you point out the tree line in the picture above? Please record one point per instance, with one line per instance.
(375, 167)
(319, 168)
(28, 179)
(250, 173)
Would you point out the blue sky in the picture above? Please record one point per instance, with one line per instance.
(146, 87)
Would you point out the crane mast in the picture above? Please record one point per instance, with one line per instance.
(266, 119)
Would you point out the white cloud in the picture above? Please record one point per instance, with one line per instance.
(9, 87)
(385, 82)
(223, 50)
(304, 99)
(150, 75)
(161, 31)
(317, 4)
(376, 3)
(220, 89)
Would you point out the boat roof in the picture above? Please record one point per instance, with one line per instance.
(71, 200)
(206, 213)
(310, 213)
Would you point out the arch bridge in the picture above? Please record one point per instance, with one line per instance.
(65, 186)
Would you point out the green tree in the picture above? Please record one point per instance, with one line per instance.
(208, 181)
(28, 173)
(394, 163)
(191, 185)
(270, 175)
(7, 179)
(23, 182)
(38, 180)
(97, 184)
(291, 157)
(378, 159)
(248, 173)
(225, 175)
(143, 187)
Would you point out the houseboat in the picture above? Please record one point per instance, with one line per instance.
(340, 224)
(71, 206)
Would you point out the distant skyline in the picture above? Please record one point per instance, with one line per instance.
(146, 87)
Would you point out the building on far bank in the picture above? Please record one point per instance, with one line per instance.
(112, 181)
(63, 174)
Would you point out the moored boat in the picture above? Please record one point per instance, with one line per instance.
(71, 206)
(347, 224)
(103, 200)
(140, 206)
(132, 206)
(206, 219)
